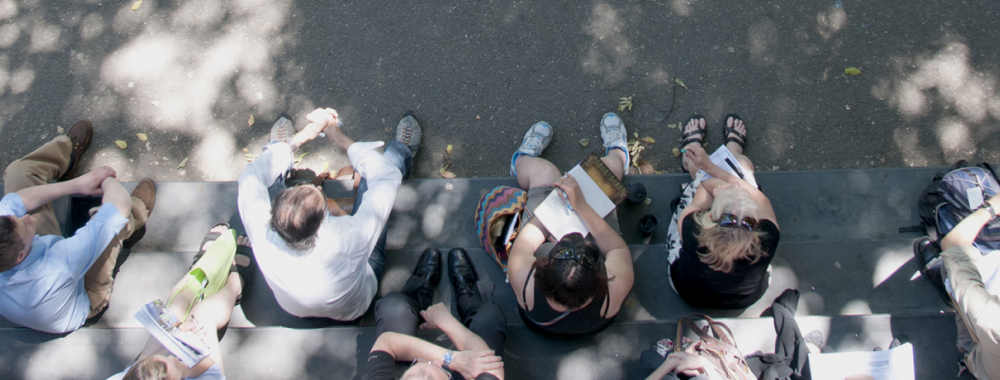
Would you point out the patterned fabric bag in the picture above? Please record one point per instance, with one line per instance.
(720, 350)
(496, 208)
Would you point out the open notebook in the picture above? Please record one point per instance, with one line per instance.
(727, 161)
(602, 190)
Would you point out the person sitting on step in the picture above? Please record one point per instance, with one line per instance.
(318, 264)
(724, 233)
(969, 278)
(55, 284)
(478, 336)
(208, 318)
(576, 284)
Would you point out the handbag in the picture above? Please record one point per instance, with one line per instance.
(209, 274)
(720, 350)
(495, 210)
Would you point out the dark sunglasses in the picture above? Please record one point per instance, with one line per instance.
(570, 254)
(733, 221)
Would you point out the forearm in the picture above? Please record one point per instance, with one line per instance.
(37, 196)
(405, 348)
(463, 338)
(605, 236)
(116, 194)
(338, 138)
(965, 232)
(717, 172)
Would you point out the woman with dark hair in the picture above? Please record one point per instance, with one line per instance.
(570, 284)
(724, 233)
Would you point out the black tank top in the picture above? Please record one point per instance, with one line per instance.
(543, 319)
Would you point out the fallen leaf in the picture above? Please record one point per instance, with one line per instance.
(636, 134)
(59, 129)
(646, 167)
(679, 82)
(136, 4)
(447, 174)
(648, 200)
(245, 150)
(324, 167)
(443, 169)
(121, 144)
(155, 103)
(625, 102)
(448, 149)
(142, 136)
(852, 71)
(183, 163)
(477, 117)
(584, 142)
(677, 152)
(250, 123)
(648, 140)
(671, 126)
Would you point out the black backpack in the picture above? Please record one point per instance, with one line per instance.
(946, 201)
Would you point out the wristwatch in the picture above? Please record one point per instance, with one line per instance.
(989, 208)
(448, 356)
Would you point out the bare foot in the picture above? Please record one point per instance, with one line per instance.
(696, 127)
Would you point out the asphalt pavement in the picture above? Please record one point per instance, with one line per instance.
(191, 73)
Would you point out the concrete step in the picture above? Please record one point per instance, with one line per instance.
(338, 353)
(810, 205)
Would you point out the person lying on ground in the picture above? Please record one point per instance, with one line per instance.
(569, 284)
(55, 284)
(724, 236)
(318, 264)
(478, 337)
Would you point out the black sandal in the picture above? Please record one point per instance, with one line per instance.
(740, 138)
(210, 236)
(689, 137)
(241, 250)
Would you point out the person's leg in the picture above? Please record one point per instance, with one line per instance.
(535, 172)
(534, 143)
(39, 167)
(98, 279)
(400, 156)
(615, 146)
(486, 319)
(397, 313)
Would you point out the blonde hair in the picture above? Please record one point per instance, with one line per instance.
(727, 245)
(149, 368)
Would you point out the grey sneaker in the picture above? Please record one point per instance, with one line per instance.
(408, 132)
(282, 130)
(535, 141)
(614, 135)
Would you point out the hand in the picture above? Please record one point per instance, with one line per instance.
(192, 325)
(698, 156)
(434, 315)
(91, 183)
(323, 118)
(687, 364)
(472, 363)
(572, 189)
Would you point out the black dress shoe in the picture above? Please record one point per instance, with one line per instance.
(463, 274)
(429, 270)
(928, 256)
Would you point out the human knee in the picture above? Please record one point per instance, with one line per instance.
(745, 161)
(297, 214)
(393, 305)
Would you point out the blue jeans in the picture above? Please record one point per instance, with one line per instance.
(399, 156)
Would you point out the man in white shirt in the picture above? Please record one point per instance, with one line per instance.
(318, 264)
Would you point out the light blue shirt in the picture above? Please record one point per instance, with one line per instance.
(45, 291)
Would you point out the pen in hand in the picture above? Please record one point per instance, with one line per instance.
(565, 199)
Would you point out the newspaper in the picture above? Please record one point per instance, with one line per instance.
(893, 364)
(163, 325)
(601, 189)
(725, 159)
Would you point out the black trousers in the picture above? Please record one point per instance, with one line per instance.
(399, 312)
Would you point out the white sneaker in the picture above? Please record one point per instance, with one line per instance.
(282, 130)
(614, 135)
(535, 141)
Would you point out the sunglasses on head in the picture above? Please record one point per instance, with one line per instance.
(570, 254)
(733, 221)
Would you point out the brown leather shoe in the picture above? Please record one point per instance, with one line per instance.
(80, 135)
(146, 192)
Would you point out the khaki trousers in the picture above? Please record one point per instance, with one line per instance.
(46, 164)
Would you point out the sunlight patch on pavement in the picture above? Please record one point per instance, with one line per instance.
(610, 52)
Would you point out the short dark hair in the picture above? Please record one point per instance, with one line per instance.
(568, 282)
(296, 217)
(11, 244)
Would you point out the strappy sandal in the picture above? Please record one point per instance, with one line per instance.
(241, 250)
(740, 138)
(695, 136)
